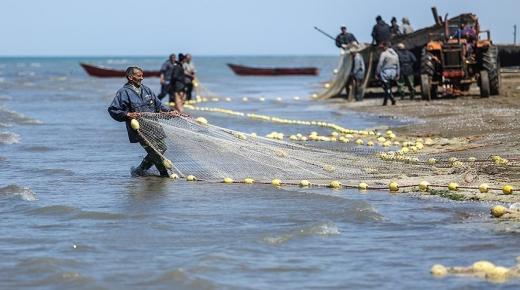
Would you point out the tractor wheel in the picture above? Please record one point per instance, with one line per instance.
(427, 64)
(484, 84)
(491, 65)
(428, 72)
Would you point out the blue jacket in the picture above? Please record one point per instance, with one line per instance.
(128, 100)
(358, 69)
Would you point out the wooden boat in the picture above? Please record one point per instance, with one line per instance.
(104, 72)
(276, 71)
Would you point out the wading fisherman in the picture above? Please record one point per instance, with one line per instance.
(132, 100)
(178, 83)
(166, 75)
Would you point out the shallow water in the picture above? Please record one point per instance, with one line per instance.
(72, 218)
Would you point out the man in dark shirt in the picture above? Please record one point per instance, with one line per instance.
(130, 102)
(407, 62)
(166, 75)
(380, 32)
(394, 28)
(178, 84)
(344, 38)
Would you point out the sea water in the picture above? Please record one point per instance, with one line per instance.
(73, 218)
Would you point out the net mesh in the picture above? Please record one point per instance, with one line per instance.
(212, 153)
(342, 73)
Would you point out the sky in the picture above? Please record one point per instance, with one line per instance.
(217, 27)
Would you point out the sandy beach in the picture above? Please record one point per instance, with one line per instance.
(463, 127)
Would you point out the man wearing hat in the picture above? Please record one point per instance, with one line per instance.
(345, 38)
(407, 62)
(357, 74)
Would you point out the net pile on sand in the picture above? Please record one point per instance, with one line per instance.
(212, 153)
(342, 73)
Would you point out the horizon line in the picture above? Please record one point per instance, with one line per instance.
(157, 55)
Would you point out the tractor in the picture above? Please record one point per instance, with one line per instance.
(453, 60)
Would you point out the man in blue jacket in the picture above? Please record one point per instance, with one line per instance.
(130, 101)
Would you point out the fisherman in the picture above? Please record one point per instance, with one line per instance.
(178, 84)
(189, 71)
(407, 62)
(130, 101)
(466, 31)
(388, 70)
(380, 31)
(358, 73)
(166, 75)
(394, 28)
(345, 38)
(406, 27)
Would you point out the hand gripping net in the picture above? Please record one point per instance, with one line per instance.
(212, 153)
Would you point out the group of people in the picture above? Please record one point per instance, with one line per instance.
(395, 65)
(382, 32)
(177, 79)
(178, 75)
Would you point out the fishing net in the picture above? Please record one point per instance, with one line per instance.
(342, 73)
(212, 153)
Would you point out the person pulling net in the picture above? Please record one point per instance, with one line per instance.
(132, 100)
(213, 153)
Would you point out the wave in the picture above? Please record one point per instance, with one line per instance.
(53, 210)
(38, 149)
(179, 279)
(7, 115)
(23, 193)
(9, 138)
(54, 273)
(75, 213)
(55, 171)
(322, 229)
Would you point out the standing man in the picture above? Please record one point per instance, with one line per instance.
(394, 28)
(345, 38)
(406, 62)
(166, 75)
(388, 70)
(130, 101)
(406, 27)
(357, 75)
(380, 31)
(189, 71)
(178, 84)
